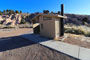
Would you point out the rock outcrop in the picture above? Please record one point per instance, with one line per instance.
(12, 20)
(1, 19)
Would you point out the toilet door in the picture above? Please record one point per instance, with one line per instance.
(57, 28)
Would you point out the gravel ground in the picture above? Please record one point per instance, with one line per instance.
(14, 32)
(18, 48)
(78, 40)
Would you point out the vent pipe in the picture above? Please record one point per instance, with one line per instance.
(62, 21)
(62, 9)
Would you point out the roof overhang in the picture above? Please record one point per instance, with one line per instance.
(49, 15)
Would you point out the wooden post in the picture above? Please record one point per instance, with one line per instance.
(62, 21)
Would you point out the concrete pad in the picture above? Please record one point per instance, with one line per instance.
(52, 44)
(84, 54)
(72, 50)
(69, 49)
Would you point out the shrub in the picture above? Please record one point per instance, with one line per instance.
(23, 20)
(85, 20)
(16, 11)
(5, 26)
(9, 26)
(87, 34)
(20, 11)
(0, 13)
(1, 26)
(77, 30)
(27, 25)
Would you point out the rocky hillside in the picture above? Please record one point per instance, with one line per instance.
(77, 19)
(71, 18)
(15, 19)
(12, 19)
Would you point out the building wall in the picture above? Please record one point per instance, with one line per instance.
(50, 27)
(57, 27)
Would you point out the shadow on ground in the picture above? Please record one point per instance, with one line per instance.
(15, 42)
(9, 43)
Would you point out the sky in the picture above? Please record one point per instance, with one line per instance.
(31, 6)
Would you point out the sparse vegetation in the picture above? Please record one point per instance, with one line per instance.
(8, 27)
(27, 25)
(8, 12)
(85, 20)
(83, 30)
(45, 11)
(0, 13)
(23, 20)
(20, 11)
(16, 11)
(78, 19)
(4, 26)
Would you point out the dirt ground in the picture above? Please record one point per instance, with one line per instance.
(77, 40)
(13, 47)
(14, 32)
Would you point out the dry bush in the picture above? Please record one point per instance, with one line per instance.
(9, 26)
(5, 26)
(1, 26)
(84, 30)
(27, 25)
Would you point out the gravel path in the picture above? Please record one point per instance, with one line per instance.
(18, 48)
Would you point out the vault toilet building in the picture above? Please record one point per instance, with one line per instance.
(50, 25)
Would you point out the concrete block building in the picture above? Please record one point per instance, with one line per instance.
(49, 25)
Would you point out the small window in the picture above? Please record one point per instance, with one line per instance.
(47, 18)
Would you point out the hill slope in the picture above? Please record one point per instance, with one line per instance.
(76, 19)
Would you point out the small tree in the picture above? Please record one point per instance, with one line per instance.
(45, 11)
(0, 13)
(59, 12)
(20, 11)
(52, 12)
(85, 20)
(4, 11)
(22, 20)
(7, 10)
(11, 12)
(16, 11)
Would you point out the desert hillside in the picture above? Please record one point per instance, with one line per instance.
(71, 18)
(78, 19)
(14, 18)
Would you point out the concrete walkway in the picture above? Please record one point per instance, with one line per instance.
(72, 50)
